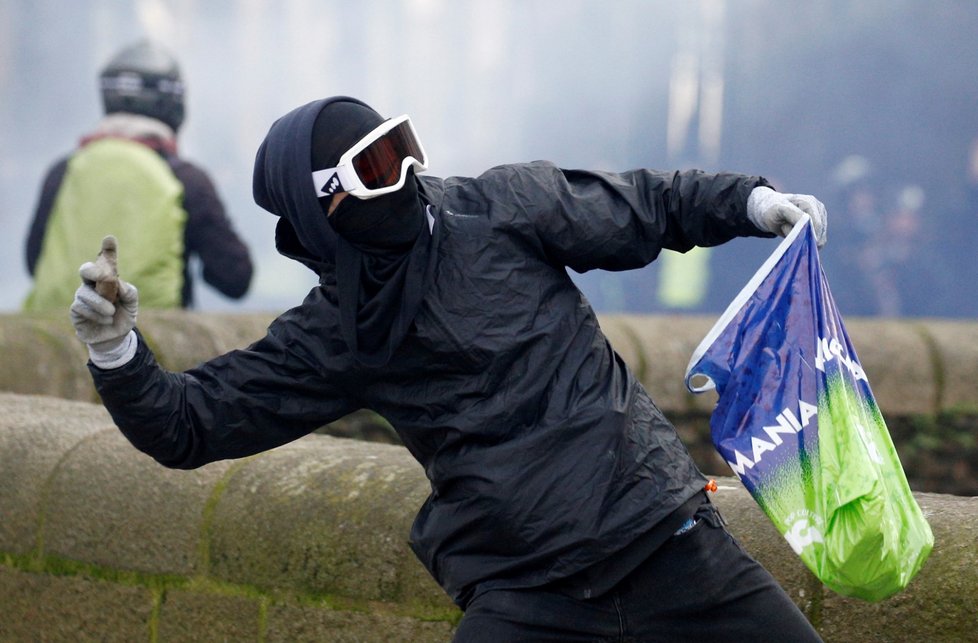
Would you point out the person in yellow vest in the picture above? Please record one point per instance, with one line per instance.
(127, 180)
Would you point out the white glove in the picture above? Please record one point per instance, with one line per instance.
(106, 327)
(778, 213)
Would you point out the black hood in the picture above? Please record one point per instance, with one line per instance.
(379, 288)
(282, 184)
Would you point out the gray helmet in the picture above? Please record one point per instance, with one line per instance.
(144, 79)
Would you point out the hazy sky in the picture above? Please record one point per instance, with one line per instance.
(782, 89)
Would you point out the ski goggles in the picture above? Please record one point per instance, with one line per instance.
(376, 164)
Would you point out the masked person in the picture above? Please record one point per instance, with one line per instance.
(563, 504)
(127, 179)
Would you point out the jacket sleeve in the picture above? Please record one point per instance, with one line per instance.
(45, 203)
(619, 221)
(210, 236)
(242, 403)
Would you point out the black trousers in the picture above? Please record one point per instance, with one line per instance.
(698, 586)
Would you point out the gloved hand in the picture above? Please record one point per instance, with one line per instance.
(106, 327)
(778, 213)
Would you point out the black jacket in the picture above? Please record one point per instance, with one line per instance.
(545, 454)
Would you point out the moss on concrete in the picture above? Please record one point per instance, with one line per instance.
(162, 585)
(207, 520)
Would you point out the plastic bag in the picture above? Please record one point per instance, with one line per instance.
(798, 424)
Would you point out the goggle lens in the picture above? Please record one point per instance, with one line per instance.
(379, 164)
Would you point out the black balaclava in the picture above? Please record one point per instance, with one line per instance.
(384, 251)
(385, 225)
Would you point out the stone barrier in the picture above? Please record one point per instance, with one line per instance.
(915, 366)
(922, 371)
(307, 542)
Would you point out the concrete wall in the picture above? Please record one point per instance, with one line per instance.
(923, 374)
(915, 366)
(308, 543)
(287, 546)
(919, 367)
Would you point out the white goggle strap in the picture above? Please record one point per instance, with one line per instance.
(334, 180)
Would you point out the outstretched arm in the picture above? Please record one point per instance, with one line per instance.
(238, 404)
(620, 221)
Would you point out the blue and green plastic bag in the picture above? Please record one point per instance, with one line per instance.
(798, 424)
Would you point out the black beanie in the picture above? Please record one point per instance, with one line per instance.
(338, 126)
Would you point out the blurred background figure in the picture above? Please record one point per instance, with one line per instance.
(127, 179)
(856, 242)
(885, 258)
(902, 240)
(960, 243)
